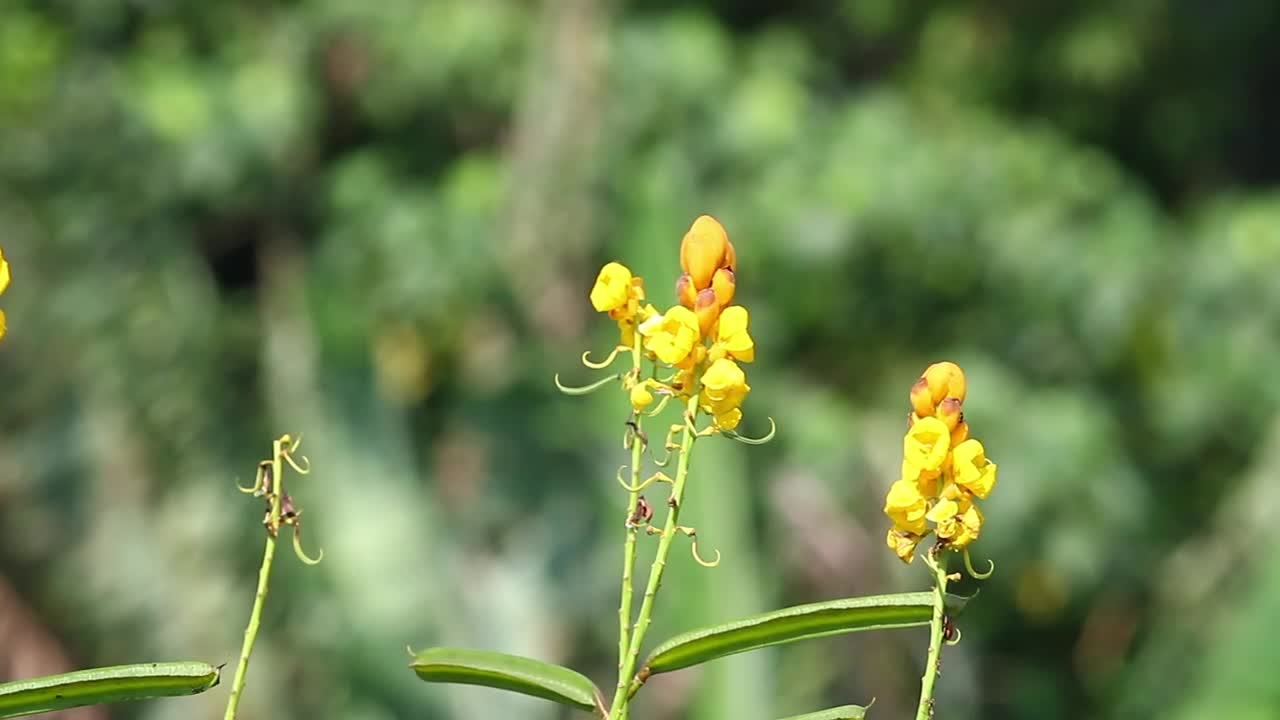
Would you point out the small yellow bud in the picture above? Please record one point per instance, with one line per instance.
(921, 398)
(641, 398)
(945, 379)
(950, 413)
(724, 283)
(708, 311)
(686, 293)
(703, 250)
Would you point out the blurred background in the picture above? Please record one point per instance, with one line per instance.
(377, 224)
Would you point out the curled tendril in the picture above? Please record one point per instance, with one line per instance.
(585, 389)
(662, 404)
(968, 565)
(656, 477)
(693, 535)
(698, 558)
(773, 430)
(586, 358)
(297, 546)
(288, 457)
(954, 639)
(257, 487)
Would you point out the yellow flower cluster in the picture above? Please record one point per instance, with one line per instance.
(702, 337)
(943, 469)
(4, 285)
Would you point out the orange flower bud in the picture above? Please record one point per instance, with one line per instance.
(945, 379)
(731, 258)
(703, 250)
(921, 398)
(724, 283)
(686, 293)
(950, 413)
(707, 310)
(960, 433)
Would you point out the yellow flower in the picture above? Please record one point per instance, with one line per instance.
(926, 443)
(962, 527)
(612, 289)
(705, 249)
(974, 472)
(907, 507)
(732, 338)
(627, 325)
(903, 544)
(671, 336)
(724, 387)
(926, 480)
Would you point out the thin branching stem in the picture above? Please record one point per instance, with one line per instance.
(938, 563)
(618, 709)
(276, 485)
(629, 546)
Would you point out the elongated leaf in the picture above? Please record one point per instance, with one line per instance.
(508, 672)
(801, 622)
(121, 683)
(844, 712)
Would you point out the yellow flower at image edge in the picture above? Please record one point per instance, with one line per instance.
(671, 336)
(4, 285)
(612, 288)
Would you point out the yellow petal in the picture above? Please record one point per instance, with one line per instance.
(926, 444)
(612, 288)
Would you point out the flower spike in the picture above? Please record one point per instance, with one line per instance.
(773, 430)
(585, 389)
(968, 565)
(586, 358)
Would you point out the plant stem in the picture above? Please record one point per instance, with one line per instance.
(629, 546)
(618, 709)
(276, 491)
(939, 566)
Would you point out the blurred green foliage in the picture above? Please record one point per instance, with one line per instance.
(377, 224)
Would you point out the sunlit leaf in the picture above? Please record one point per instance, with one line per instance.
(508, 672)
(120, 683)
(801, 622)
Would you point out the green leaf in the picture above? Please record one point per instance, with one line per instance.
(508, 672)
(794, 623)
(120, 683)
(844, 712)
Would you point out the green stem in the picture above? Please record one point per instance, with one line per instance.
(264, 576)
(618, 709)
(629, 546)
(939, 566)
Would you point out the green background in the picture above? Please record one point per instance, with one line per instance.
(377, 224)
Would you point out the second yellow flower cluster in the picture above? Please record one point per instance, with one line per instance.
(943, 469)
(702, 338)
